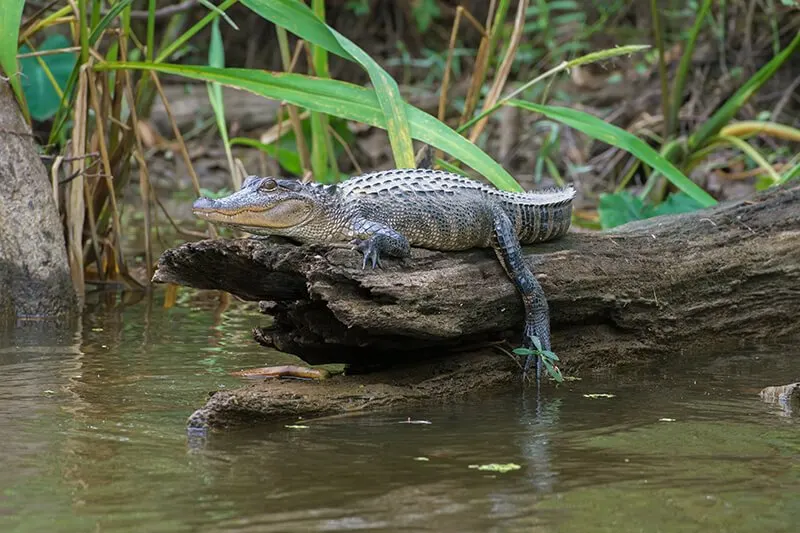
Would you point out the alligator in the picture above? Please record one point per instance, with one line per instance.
(385, 213)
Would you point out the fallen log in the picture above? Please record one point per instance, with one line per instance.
(647, 290)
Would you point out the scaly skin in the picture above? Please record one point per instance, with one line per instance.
(384, 213)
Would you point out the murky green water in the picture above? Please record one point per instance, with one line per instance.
(93, 439)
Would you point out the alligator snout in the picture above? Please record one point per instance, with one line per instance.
(203, 203)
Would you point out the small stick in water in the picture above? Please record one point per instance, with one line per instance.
(285, 371)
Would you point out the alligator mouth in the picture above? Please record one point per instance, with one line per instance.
(257, 216)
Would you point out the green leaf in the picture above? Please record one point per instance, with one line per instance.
(425, 11)
(537, 343)
(553, 370)
(43, 100)
(340, 99)
(599, 129)
(677, 91)
(790, 174)
(623, 207)
(619, 208)
(109, 17)
(523, 351)
(216, 58)
(300, 20)
(10, 20)
(675, 203)
(547, 354)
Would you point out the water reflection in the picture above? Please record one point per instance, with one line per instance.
(92, 418)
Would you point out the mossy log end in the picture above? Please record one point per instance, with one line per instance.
(645, 291)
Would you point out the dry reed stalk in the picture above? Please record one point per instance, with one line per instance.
(182, 145)
(504, 70)
(115, 262)
(75, 207)
(288, 65)
(144, 176)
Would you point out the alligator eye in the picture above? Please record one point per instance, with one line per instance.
(268, 185)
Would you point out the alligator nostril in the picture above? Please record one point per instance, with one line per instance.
(203, 203)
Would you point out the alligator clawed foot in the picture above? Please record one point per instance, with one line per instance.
(370, 251)
(528, 376)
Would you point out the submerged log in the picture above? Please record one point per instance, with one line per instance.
(647, 290)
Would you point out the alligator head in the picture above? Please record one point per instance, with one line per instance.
(262, 205)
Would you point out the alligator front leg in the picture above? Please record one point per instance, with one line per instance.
(374, 239)
(537, 316)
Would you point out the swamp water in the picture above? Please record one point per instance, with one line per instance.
(92, 426)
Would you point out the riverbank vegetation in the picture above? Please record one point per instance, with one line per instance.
(647, 107)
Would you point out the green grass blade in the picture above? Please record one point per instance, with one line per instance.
(750, 152)
(216, 58)
(191, 32)
(300, 20)
(599, 129)
(320, 138)
(600, 55)
(151, 30)
(10, 19)
(107, 19)
(725, 114)
(683, 68)
(339, 99)
(790, 174)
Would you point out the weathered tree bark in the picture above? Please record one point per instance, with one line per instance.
(644, 291)
(34, 273)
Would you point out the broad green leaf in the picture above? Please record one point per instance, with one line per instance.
(599, 129)
(553, 370)
(10, 19)
(675, 203)
(340, 99)
(619, 208)
(547, 354)
(623, 207)
(300, 20)
(43, 100)
(537, 343)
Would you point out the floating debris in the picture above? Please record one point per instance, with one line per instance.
(599, 395)
(285, 371)
(409, 421)
(496, 467)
